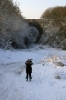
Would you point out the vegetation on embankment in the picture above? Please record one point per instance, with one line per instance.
(14, 31)
(54, 24)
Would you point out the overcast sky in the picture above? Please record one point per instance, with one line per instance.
(33, 9)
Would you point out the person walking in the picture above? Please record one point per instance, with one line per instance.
(28, 69)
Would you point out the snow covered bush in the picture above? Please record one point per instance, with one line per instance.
(24, 37)
(14, 31)
(54, 26)
(33, 34)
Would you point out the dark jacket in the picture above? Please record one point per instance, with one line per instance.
(28, 66)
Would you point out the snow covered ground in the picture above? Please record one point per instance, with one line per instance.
(48, 74)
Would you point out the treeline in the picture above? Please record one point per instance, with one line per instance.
(14, 31)
(54, 26)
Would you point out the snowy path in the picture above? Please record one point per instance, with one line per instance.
(44, 84)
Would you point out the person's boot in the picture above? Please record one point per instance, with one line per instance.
(31, 77)
(26, 79)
